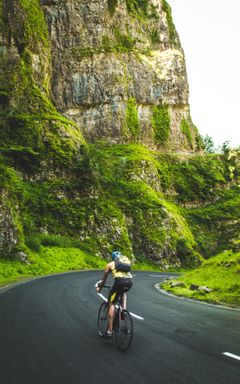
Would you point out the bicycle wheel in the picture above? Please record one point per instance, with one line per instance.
(102, 319)
(124, 331)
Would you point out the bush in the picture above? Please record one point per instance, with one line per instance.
(56, 241)
(34, 243)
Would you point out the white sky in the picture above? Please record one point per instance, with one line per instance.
(209, 32)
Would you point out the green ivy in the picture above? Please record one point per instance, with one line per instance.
(172, 31)
(112, 6)
(154, 36)
(142, 9)
(161, 124)
(34, 28)
(186, 129)
(123, 42)
(132, 118)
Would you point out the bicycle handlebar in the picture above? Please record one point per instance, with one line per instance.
(98, 285)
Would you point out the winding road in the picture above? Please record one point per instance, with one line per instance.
(48, 335)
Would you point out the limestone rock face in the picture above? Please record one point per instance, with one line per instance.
(103, 57)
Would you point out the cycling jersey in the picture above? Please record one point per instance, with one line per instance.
(119, 274)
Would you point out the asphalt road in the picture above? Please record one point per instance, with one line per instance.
(48, 335)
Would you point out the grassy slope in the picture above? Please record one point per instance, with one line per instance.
(50, 260)
(220, 273)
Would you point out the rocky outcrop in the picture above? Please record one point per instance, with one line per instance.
(115, 59)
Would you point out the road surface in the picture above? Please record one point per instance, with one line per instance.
(48, 335)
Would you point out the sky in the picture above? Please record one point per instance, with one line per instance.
(209, 32)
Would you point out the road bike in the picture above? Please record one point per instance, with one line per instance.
(122, 323)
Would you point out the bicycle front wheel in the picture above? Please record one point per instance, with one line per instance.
(103, 319)
(124, 332)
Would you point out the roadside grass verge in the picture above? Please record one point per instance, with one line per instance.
(48, 260)
(52, 258)
(220, 273)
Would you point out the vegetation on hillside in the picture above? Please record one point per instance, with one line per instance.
(221, 274)
(71, 203)
(55, 254)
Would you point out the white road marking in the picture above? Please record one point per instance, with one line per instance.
(137, 317)
(104, 298)
(132, 314)
(156, 275)
(231, 355)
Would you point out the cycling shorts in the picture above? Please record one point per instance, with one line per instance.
(120, 286)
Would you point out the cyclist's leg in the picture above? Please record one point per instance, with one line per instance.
(111, 313)
(111, 302)
(124, 300)
(117, 289)
(126, 288)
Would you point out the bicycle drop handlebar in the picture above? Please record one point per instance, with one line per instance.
(105, 285)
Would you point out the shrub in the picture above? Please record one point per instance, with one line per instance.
(34, 243)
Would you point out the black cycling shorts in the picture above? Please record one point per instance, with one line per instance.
(120, 286)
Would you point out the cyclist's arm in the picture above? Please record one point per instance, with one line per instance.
(105, 276)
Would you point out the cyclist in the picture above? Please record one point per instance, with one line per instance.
(120, 269)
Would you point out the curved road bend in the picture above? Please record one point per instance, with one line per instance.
(48, 336)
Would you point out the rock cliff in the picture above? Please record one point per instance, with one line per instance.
(118, 61)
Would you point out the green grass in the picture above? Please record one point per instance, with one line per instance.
(56, 259)
(221, 273)
(49, 260)
(145, 265)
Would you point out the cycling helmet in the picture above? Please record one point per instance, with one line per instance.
(115, 255)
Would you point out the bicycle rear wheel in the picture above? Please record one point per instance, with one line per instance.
(124, 331)
(103, 319)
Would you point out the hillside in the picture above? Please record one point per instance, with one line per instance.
(216, 281)
(97, 144)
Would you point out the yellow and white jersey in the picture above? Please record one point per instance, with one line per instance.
(119, 274)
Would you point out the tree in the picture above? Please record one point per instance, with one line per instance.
(226, 147)
(208, 144)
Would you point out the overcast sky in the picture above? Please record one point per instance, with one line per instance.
(209, 32)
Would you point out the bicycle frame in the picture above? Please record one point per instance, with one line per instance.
(122, 322)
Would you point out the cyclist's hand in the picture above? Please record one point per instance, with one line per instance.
(98, 286)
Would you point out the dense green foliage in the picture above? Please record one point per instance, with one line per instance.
(161, 124)
(121, 195)
(132, 122)
(67, 201)
(186, 129)
(34, 26)
(220, 273)
(216, 225)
